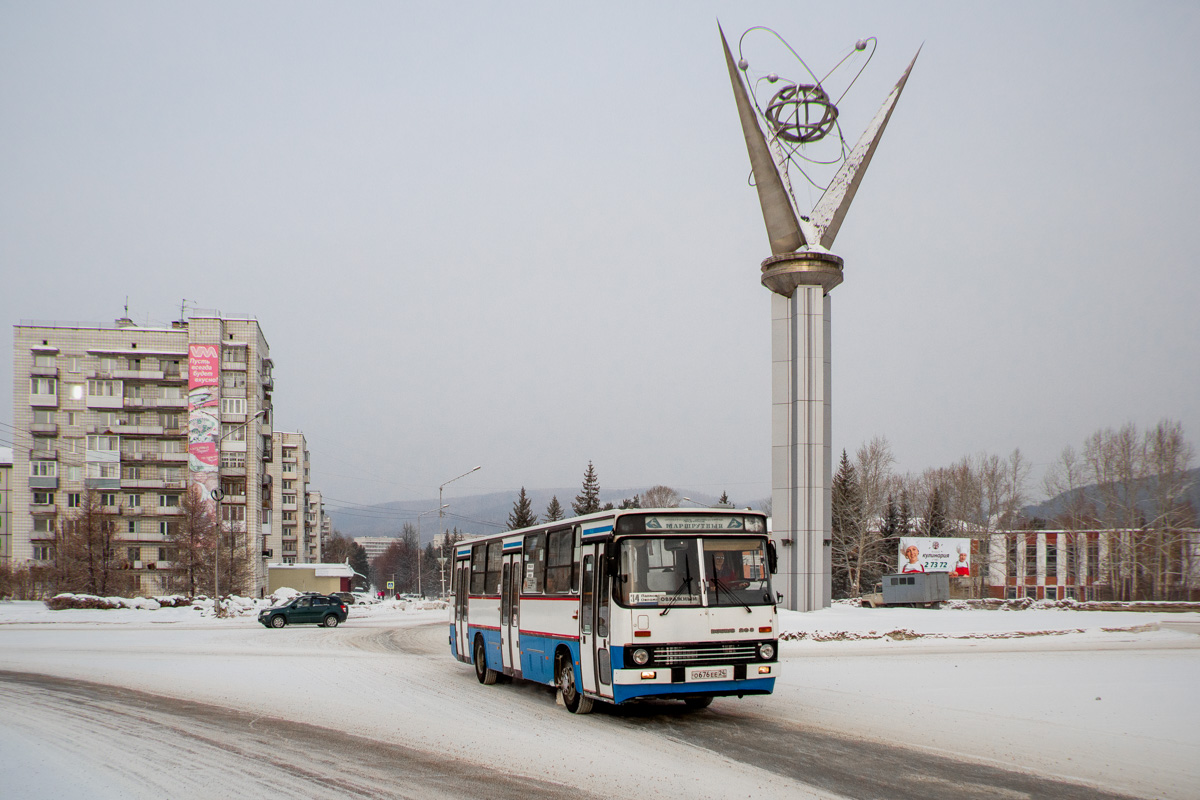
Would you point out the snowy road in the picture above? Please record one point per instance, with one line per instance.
(377, 708)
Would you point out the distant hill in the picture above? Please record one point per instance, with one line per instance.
(1054, 507)
(474, 515)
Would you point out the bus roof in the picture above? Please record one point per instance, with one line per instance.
(611, 516)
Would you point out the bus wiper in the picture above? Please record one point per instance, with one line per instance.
(685, 584)
(720, 584)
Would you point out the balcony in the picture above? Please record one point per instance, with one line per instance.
(138, 430)
(43, 509)
(105, 401)
(43, 482)
(49, 454)
(44, 428)
(44, 400)
(138, 374)
(171, 402)
(152, 483)
(44, 372)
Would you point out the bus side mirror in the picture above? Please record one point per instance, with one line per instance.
(772, 557)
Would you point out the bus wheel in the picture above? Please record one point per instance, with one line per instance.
(697, 703)
(575, 702)
(485, 675)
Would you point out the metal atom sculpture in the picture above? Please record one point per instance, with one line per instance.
(796, 116)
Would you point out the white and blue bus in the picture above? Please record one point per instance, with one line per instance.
(622, 605)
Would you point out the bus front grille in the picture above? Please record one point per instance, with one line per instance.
(695, 654)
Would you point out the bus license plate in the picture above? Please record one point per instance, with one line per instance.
(710, 674)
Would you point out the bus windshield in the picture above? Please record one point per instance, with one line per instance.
(736, 573)
(667, 572)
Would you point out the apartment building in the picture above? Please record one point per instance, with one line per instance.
(288, 538)
(314, 525)
(5, 521)
(135, 416)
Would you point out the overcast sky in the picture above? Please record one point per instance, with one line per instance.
(520, 235)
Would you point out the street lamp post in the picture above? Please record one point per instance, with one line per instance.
(443, 486)
(217, 495)
(423, 513)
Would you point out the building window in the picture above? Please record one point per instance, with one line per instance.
(233, 513)
(170, 474)
(74, 364)
(43, 360)
(172, 392)
(233, 460)
(168, 420)
(1051, 555)
(233, 405)
(164, 528)
(72, 419)
(99, 388)
(168, 501)
(43, 417)
(289, 484)
(166, 554)
(131, 527)
(133, 500)
(105, 443)
(133, 473)
(1031, 555)
(43, 469)
(103, 470)
(43, 525)
(108, 500)
(46, 387)
(1093, 557)
(289, 498)
(133, 553)
(289, 516)
(42, 444)
(233, 432)
(73, 500)
(42, 552)
(108, 363)
(233, 380)
(169, 446)
(75, 391)
(43, 498)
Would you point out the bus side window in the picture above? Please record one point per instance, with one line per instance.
(560, 555)
(494, 557)
(478, 568)
(535, 563)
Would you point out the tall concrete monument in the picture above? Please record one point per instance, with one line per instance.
(800, 272)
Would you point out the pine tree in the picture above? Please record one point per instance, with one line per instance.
(935, 523)
(848, 530)
(522, 515)
(724, 501)
(588, 501)
(631, 502)
(554, 511)
(904, 527)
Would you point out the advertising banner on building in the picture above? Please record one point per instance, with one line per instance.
(204, 421)
(926, 554)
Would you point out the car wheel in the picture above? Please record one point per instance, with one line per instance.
(697, 703)
(331, 621)
(278, 621)
(486, 675)
(575, 702)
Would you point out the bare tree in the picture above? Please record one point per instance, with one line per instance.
(193, 537)
(85, 550)
(660, 497)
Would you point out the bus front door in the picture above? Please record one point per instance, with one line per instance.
(595, 665)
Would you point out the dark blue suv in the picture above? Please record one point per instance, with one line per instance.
(312, 609)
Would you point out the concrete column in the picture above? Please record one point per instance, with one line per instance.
(801, 453)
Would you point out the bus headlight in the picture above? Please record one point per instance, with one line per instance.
(640, 656)
(766, 651)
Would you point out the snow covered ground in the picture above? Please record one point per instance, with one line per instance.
(1108, 699)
